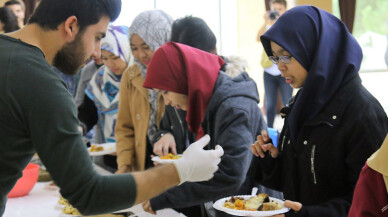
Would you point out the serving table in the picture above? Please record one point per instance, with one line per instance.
(42, 201)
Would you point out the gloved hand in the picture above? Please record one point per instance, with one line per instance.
(197, 164)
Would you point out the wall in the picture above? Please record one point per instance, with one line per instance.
(323, 4)
(250, 19)
(2, 2)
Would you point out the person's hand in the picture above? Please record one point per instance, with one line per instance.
(271, 22)
(155, 164)
(147, 207)
(197, 164)
(266, 17)
(124, 169)
(262, 145)
(268, 20)
(165, 143)
(296, 206)
(80, 129)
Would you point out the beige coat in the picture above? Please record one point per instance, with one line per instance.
(379, 161)
(132, 120)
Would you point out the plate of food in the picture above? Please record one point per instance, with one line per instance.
(102, 149)
(67, 208)
(166, 159)
(248, 205)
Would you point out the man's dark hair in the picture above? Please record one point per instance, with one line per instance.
(283, 2)
(193, 31)
(15, 2)
(9, 19)
(50, 13)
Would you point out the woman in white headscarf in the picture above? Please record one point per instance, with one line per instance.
(140, 108)
(100, 106)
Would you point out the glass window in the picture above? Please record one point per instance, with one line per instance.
(370, 30)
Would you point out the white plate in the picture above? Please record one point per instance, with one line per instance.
(218, 205)
(109, 148)
(163, 161)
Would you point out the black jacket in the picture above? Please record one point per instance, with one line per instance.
(174, 122)
(87, 114)
(322, 168)
(232, 120)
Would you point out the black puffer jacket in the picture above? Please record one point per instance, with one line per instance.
(322, 168)
(174, 122)
(232, 120)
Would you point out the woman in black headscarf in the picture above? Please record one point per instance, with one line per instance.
(331, 126)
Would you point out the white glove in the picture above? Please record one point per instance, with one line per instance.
(197, 164)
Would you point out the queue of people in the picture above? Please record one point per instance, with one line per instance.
(161, 88)
(39, 114)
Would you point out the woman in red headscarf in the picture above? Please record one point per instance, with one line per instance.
(225, 108)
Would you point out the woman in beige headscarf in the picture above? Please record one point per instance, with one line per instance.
(370, 196)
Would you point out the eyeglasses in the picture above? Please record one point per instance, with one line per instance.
(283, 59)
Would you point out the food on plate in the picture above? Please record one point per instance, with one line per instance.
(68, 209)
(62, 200)
(44, 175)
(95, 148)
(170, 156)
(260, 202)
(108, 215)
(254, 203)
(235, 203)
(270, 206)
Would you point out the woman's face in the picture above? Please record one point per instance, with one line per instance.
(113, 62)
(294, 73)
(18, 11)
(177, 100)
(140, 50)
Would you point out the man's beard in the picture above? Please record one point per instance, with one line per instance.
(72, 55)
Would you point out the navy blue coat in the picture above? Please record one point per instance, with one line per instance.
(321, 169)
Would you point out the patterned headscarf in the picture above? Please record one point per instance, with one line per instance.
(103, 88)
(154, 27)
(116, 42)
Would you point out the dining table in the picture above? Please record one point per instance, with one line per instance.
(43, 199)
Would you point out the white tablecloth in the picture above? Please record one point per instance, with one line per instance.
(42, 201)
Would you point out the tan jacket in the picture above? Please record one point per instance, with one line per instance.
(132, 120)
